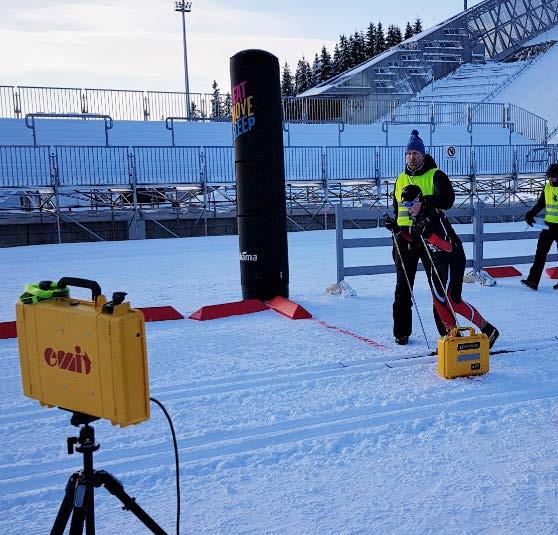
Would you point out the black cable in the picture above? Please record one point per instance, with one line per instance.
(176, 462)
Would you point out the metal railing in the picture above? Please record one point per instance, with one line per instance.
(31, 117)
(528, 124)
(477, 214)
(28, 166)
(120, 104)
(349, 110)
(135, 105)
(524, 122)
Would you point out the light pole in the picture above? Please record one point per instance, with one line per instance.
(185, 7)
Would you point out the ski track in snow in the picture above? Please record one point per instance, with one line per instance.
(286, 427)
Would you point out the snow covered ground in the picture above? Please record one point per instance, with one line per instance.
(290, 427)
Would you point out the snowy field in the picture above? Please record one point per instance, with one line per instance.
(289, 427)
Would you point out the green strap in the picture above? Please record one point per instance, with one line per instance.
(33, 293)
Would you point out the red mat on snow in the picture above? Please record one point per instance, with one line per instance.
(502, 271)
(281, 305)
(236, 308)
(289, 308)
(161, 313)
(552, 273)
(8, 329)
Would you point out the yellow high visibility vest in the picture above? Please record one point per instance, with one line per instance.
(551, 199)
(426, 184)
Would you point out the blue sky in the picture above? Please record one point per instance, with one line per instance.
(138, 45)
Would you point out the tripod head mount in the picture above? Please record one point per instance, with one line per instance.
(86, 438)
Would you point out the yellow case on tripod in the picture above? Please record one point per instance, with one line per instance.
(459, 356)
(84, 356)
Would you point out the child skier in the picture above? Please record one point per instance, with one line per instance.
(446, 261)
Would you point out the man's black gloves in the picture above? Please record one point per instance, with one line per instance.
(391, 224)
(530, 218)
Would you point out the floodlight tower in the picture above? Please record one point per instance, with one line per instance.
(185, 7)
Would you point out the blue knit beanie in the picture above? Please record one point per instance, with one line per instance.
(415, 143)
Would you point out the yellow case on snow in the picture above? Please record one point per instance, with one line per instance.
(459, 356)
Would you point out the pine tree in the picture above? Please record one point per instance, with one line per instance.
(397, 34)
(344, 54)
(391, 39)
(303, 76)
(195, 113)
(380, 39)
(327, 67)
(308, 79)
(408, 31)
(287, 83)
(227, 107)
(359, 48)
(371, 40)
(417, 26)
(351, 52)
(316, 71)
(336, 62)
(216, 104)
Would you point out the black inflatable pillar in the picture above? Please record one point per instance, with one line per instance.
(260, 174)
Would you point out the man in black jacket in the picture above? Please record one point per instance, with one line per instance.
(437, 191)
(548, 199)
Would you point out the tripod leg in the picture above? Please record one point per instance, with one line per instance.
(81, 502)
(65, 507)
(90, 511)
(116, 489)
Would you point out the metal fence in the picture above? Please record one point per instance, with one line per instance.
(517, 119)
(349, 110)
(120, 104)
(350, 163)
(91, 166)
(26, 166)
(303, 163)
(528, 124)
(494, 159)
(135, 105)
(181, 166)
(46, 100)
(477, 214)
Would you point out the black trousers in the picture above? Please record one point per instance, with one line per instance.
(546, 238)
(446, 272)
(408, 256)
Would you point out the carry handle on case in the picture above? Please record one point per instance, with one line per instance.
(456, 330)
(81, 283)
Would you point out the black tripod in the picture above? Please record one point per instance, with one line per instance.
(79, 501)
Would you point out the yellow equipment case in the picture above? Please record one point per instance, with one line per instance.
(85, 356)
(459, 356)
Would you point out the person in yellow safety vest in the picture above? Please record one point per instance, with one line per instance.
(549, 200)
(437, 191)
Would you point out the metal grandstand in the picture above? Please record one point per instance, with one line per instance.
(70, 182)
(490, 31)
(198, 182)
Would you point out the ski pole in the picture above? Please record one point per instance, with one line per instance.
(439, 279)
(410, 287)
